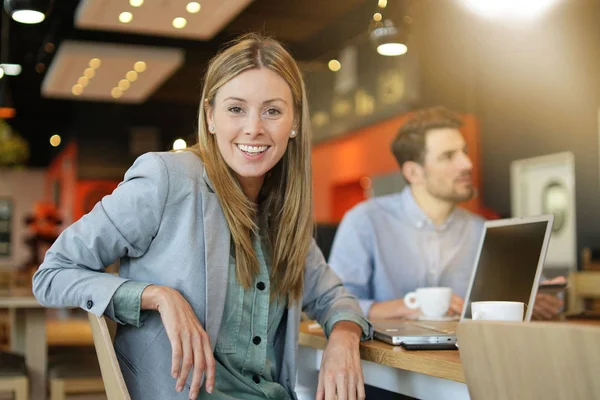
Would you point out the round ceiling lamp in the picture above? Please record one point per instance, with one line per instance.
(27, 11)
(386, 38)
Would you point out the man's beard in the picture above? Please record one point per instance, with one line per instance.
(452, 195)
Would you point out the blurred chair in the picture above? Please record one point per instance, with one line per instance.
(13, 376)
(583, 285)
(114, 383)
(73, 370)
(530, 360)
(324, 235)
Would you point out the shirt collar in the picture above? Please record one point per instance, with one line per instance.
(417, 216)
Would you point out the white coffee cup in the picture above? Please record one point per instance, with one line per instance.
(433, 301)
(497, 310)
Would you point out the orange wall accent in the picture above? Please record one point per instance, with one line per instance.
(63, 170)
(89, 192)
(366, 153)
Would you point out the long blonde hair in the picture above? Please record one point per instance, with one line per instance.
(286, 194)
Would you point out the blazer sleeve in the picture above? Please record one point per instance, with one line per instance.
(325, 297)
(121, 224)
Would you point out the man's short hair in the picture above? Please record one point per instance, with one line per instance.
(409, 143)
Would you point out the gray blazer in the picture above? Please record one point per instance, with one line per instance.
(166, 225)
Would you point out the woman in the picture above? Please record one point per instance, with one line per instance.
(217, 258)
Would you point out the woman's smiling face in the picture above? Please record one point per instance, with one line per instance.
(252, 118)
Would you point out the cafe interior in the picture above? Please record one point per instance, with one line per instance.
(88, 86)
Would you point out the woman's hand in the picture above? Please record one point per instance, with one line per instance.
(341, 372)
(190, 343)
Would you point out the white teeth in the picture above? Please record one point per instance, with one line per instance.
(252, 149)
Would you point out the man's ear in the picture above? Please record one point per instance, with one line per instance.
(413, 172)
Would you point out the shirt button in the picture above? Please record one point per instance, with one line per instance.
(90, 304)
(260, 286)
(256, 340)
(256, 379)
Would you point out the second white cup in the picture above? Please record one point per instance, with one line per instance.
(433, 301)
(497, 310)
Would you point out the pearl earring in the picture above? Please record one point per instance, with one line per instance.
(293, 134)
(211, 129)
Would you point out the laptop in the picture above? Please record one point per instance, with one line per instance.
(508, 267)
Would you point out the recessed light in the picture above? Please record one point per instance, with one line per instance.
(77, 89)
(95, 63)
(124, 84)
(136, 3)
(11, 69)
(125, 17)
(139, 66)
(377, 17)
(131, 76)
(83, 81)
(179, 22)
(28, 16)
(89, 73)
(382, 3)
(334, 65)
(193, 7)
(116, 92)
(55, 140)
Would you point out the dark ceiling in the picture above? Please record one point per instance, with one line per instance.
(312, 29)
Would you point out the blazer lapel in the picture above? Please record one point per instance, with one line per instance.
(216, 258)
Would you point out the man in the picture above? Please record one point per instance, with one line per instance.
(391, 245)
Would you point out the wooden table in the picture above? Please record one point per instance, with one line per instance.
(28, 335)
(422, 374)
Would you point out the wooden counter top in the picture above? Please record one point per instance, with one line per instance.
(444, 364)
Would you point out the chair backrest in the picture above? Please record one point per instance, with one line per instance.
(114, 383)
(530, 360)
(582, 285)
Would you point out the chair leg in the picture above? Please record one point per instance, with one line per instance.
(57, 389)
(22, 390)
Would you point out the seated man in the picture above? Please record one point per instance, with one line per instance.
(388, 246)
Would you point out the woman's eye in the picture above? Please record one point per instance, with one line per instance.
(273, 111)
(235, 109)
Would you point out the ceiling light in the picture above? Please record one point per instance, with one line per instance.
(55, 140)
(509, 8)
(77, 89)
(28, 11)
(131, 76)
(136, 3)
(139, 66)
(1, 73)
(11, 69)
(377, 16)
(125, 17)
(89, 73)
(124, 84)
(334, 65)
(392, 49)
(116, 92)
(83, 81)
(382, 3)
(193, 7)
(179, 144)
(95, 63)
(386, 39)
(179, 22)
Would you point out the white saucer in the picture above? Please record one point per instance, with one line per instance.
(443, 318)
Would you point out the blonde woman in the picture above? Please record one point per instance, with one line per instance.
(217, 259)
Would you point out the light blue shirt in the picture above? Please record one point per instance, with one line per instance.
(386, 247)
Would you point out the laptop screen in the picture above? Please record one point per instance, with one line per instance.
(508, 262)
